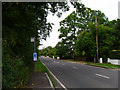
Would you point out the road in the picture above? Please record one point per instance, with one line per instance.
(76, 75)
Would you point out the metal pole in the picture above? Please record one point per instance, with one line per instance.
(35, 66)
(96, 37)
(34, 46)
(35, 52)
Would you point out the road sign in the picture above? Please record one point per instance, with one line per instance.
(32, 39)
(35, 56)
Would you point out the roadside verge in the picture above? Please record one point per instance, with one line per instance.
(101, 65)
(58, 83)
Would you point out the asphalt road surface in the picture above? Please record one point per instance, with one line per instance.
(76, 75)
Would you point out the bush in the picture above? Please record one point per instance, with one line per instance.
(115, 55)
(15, 73)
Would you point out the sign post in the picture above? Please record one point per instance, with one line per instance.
(34, 54)
(35, 59)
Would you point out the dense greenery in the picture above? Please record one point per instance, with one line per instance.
(115, 54)
(62, 50)
(15, 73)
(76, 23)
(86, 42)
(48, 51)
(21, 21)
(58, 51)
(78, 33)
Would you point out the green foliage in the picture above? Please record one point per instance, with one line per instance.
(48, 51)
(85, 44)
(62, 50)
(117, 35)
(21, 21)
(86, 41)
(40, 67)
(106, 39)
(111, 23)
(115, 55)
(15, 73)
(76, 23)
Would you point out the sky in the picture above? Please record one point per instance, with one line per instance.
(108, 7)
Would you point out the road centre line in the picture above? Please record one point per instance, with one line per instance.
(75, 67)
(102, 76)
(56, 62)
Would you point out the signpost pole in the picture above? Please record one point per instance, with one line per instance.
(35, 66)
(35, 52)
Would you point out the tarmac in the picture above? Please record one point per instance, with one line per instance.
(39, 81)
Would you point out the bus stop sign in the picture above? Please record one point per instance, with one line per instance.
(34, 56)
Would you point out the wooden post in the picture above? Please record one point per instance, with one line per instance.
(96, 38)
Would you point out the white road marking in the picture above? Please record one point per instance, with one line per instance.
(63, 64)
(56, 62)
(75, 67)
(55, 77)
(102, 76)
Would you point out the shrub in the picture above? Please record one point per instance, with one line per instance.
(115, 55)
(15, 73)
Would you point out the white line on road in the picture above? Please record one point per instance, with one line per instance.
(56, 62)
(102, 76)
(63, 64)
(75, 67)
(55, 77)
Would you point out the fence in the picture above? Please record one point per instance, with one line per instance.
(114, 61)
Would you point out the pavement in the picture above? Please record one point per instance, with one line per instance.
(76, 75)
(38, 80)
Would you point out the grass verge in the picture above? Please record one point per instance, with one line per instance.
(41, 68)
(104, 65)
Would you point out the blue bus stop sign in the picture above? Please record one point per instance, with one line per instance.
(34, 56)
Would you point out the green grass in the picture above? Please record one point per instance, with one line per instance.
(41, 68)
(104, 65)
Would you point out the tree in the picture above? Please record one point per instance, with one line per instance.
(77, 22)
(21, 21)
(117, 35)
(62, 50)
(68, 31)
(85, 45)
(86, 41)
(111, 23)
